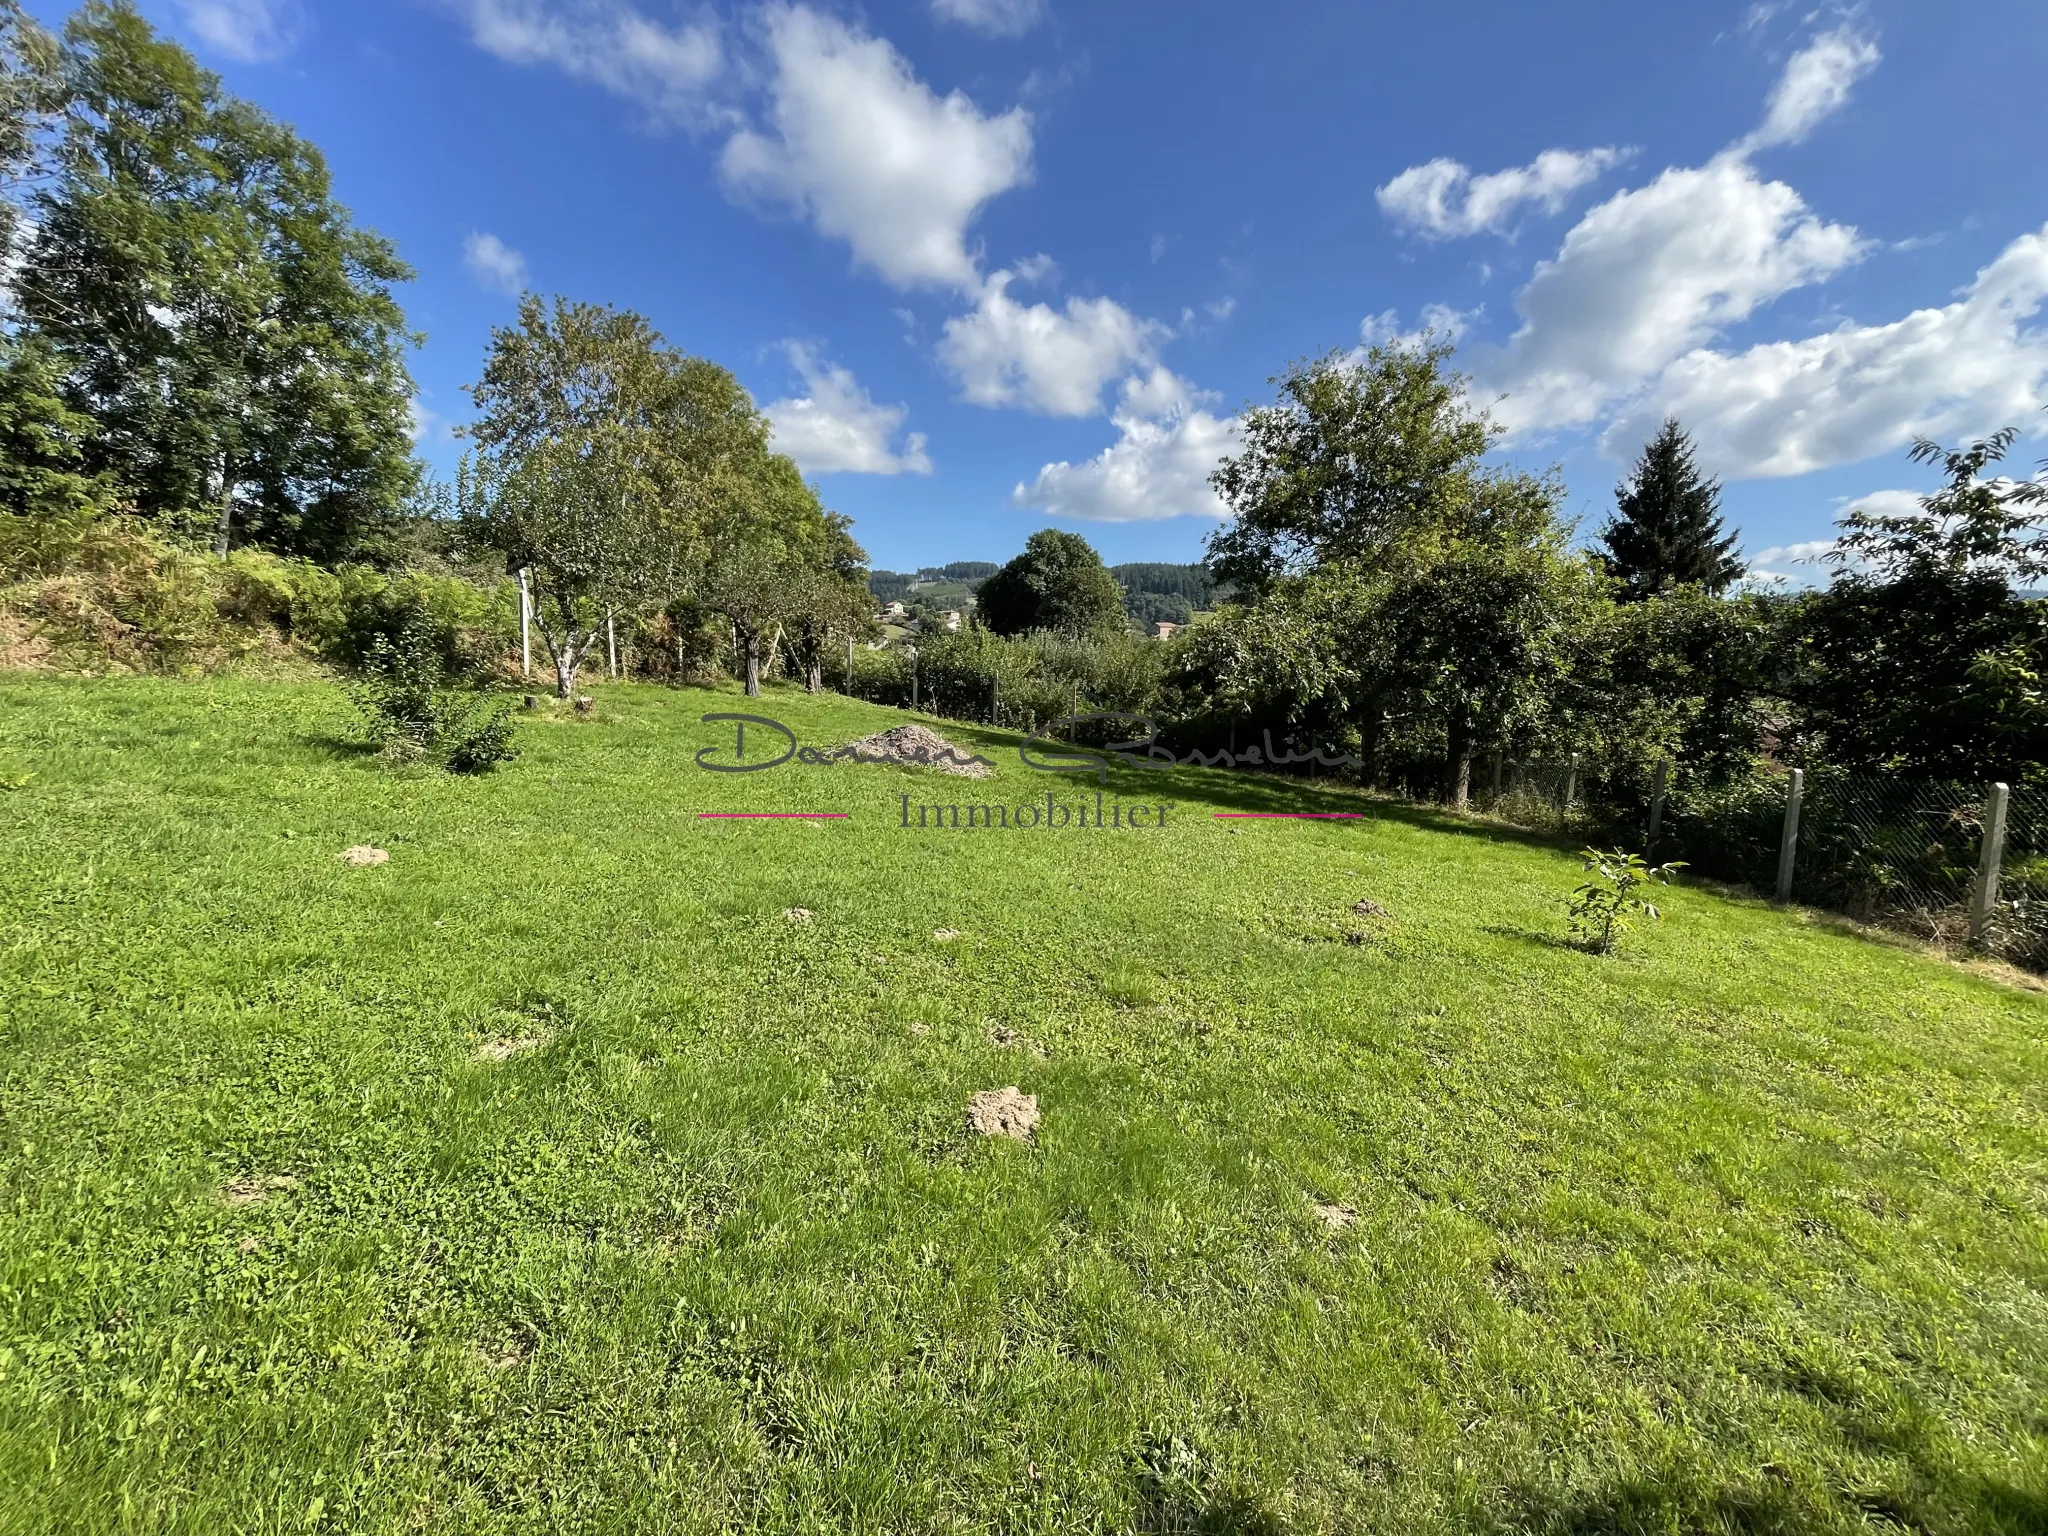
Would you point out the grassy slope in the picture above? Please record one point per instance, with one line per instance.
(1742, 1230)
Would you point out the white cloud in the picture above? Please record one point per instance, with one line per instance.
(1815, 85)
(836, 428)
(1054, 361)
(1783, 408)
(1806, 564)
(1656, 273)
(1443, 199)
(606, 43)
(998, 18)
(495, 264)
(1620, 327)
(1159, 467)
(1440, 322)
(1648, 276)
(867, 151)
(253, 31)
(1807, 552)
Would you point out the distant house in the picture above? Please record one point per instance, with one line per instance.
(952, 619)
(1161, 630)
(895, 613)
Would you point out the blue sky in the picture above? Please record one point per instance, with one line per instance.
(999, 264)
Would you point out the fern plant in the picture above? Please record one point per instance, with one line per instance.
(1604, 906)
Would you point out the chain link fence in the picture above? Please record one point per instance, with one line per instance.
(1905, 853)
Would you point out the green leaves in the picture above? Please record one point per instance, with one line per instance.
(230, 335)
(1058, 584)
(1602, 907)
(1352, 454)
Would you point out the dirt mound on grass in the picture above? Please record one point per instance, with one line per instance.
(916, 746)
(1003, 1112)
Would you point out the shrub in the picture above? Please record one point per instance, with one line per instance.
(417, 708)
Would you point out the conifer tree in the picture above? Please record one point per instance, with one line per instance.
(1668, 530)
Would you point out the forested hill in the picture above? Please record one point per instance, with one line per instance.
(1153, 589)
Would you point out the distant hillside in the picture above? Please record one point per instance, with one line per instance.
(937, 587)
(1153, 590)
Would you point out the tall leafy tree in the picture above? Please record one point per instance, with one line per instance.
(1481, 617)
(828, 598)
(31, 95)
(1352, 453)
(1667, 532)
(1921, 657)
(1057, 583)
(230, 332)
(774, 556)
(604, 457)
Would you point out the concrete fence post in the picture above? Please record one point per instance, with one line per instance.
(525, 625)
(1788, 849)
(1657, 793)
(1984, 898)
(1571, 783)
(1497, 756)
(611, 644)
(849, 665)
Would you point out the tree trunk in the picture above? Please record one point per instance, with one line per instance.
(751, 645)
(565, 670)
(1458, 771)
(227, 509)
(1370, 729)
(814, 674)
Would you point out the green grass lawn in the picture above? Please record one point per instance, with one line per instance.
(1744, 1229)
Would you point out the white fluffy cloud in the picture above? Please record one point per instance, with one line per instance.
(1618, 328)
(1815, 84)
(1440, 322)
(253, 31)
(607, 43)
(1443, 199)
(1786, 407)
(1648, 276)
(1054, 361)
(998, 18)
(495, 264)
(1159, 466)
(858, 144)
(836, 428)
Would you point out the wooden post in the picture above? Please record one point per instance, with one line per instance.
(1657, 798)
(1497, 756)
(913, 680)
(525, 625)
(991, 698)
(1984, 900)
(1788, 850)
